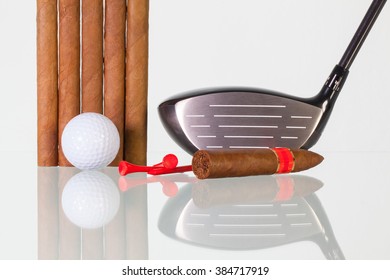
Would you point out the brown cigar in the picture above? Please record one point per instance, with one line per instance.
(238, 163)
(92, 56)
(47, 82)
(69, 69)
(114, 67)
(136, 81)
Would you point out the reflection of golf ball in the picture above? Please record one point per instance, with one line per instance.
(90, 199)
(90, 141)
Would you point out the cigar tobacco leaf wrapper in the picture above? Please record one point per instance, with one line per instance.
(47, 82)
(249, 162)
(92, 56)
(136, 81)
(69, 67)
(114, 67)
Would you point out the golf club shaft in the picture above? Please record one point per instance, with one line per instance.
(361, 33)
(338, 76)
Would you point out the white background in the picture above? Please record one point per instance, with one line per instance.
(283, 45)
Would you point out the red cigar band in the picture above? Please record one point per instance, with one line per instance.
(286, 160)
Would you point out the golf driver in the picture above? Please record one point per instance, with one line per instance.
(235, 118)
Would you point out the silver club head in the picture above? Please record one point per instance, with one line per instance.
(239, 119)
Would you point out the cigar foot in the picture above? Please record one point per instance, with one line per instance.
(201, 165)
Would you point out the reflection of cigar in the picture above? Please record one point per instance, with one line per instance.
(266, 189)
(92, 56)
(136, 81)
(238, 163)
(136, 217)
(47, 213)
(114, 67)
(114, 231)
(69, 69)
(47, 81)
(92, 243)
(69, 244)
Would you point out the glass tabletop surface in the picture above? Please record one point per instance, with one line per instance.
(337, 210)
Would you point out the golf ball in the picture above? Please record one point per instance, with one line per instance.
(90, 141)
(90, 199)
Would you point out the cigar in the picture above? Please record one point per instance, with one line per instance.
(69, 67)
(248, 162)
(47, 83)
(136, 82)
(114, 67)
(92, 56)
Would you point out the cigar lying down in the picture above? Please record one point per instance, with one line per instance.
(239, 163)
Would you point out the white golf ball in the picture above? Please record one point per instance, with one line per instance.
(90, 199)
(90, 141)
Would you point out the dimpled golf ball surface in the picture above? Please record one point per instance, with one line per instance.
(90, 141)
(90, 199)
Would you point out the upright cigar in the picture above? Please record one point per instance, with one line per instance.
(92, 56)
(69, 67)
(47, 82)
(114, 67)
(136, 81)
(238, 163)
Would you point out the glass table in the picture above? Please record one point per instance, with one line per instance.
(337, 210)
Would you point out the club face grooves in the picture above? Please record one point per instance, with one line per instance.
(238, 119)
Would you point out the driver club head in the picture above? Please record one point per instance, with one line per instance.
(237, 118)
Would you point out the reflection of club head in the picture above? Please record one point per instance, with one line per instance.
(251, 222)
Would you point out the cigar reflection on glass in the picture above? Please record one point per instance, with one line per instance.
(48, 234)
(136, 222)
(69, 244)
(115, 230)
(269, 189)
(92, 244)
